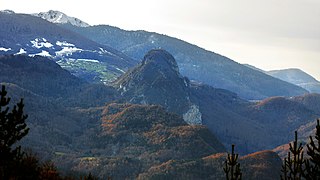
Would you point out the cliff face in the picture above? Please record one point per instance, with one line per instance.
(156, 80)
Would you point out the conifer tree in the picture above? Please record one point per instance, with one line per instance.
(12, 129)
(312, 165)
(292, 168)
(232, 166)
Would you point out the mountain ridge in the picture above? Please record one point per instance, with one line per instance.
(86, 135)
(156, 81)
(31, 35)
(194, 62)
(60, 17)
(297, 77)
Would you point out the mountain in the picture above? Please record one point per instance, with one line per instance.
(156, 80)
(194, 62)
(297, 77)
(68, 120)
(59, 17)
(78, 132)
(254, 68)
(311, 101)
(30, 35)
(146, 142)
(90, 57)
(54, 100)
(47, 79)
(71, 124)
(39, 75)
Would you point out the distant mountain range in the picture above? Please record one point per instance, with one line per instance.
(26, 34)
(81, 56)
(297, 77)
(194, 62)
(293, 76)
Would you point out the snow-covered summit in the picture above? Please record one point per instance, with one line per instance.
(7, 11)
(59, 17)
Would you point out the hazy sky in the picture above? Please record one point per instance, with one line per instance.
(269, 34)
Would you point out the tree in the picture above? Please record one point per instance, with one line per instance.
(292, 167)
(232, 167)
(49, 171)
(312, 165)
(12, 129)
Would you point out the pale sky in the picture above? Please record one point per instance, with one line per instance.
(269, 34)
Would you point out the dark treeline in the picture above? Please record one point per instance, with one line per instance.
(16, 164)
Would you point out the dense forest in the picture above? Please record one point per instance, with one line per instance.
(17, 163)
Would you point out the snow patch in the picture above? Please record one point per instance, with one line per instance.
(21, 51)
(193, 116)
(66, 51)
(8, 11)
(185, 82)
(120, 70)
(89, 60)
(58, 19)
(64, 43)
(42, 53)
(5, 49)
(103, 51)
(39, 43)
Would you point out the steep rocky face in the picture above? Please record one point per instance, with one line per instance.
(156, 80)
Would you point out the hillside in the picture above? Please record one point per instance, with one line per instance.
(78, 132)
(194, 62)
(66, 127)
(135, 137)
(261, 165)
(297, 77)
(30, 35)
(157, 80)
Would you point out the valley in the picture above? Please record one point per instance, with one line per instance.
(141, 105)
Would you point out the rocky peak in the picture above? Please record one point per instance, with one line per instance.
(61, 18)
(162, 59)
(7, 11)
(156, 80)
